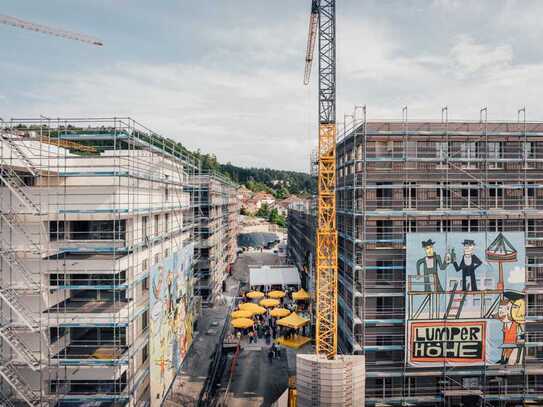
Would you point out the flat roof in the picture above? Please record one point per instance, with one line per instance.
(274, 275)
(454, 126)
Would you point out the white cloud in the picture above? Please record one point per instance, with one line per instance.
(517, 275)
(241, 118)
(469, 57)
(242, 97)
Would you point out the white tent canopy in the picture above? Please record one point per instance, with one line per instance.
(268, 276)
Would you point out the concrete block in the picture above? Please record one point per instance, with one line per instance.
(330, 383)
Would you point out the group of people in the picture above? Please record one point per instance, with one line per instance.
(266, 327)
(291, 332)
(274, 352)
(263, 328)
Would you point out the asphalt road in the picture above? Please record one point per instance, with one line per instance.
(256, 381)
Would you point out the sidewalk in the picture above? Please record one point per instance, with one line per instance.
(189, 383)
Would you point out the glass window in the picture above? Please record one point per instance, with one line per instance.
(145, 353)
(384, 229)
(468, 150)
(144, 321)
(384, 148)
(411, 149)
(529, 151)
(56, 230)
(145, 284)
(157, 219)
(495, 150)
(144, 221)
(97, 230)
(442, 150)
(56, 333)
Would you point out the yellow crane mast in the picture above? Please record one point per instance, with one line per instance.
(323, 22)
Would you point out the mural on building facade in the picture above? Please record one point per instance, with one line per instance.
(465, 298)
(170, 319)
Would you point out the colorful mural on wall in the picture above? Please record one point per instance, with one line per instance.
(465, 298)
(170, 319)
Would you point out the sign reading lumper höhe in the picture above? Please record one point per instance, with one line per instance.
(465, 298)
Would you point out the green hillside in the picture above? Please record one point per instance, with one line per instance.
(281, 183)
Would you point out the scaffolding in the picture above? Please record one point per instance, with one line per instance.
(218, 208)
(396, 177)
(87, 206)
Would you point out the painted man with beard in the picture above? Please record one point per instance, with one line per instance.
(429, 266)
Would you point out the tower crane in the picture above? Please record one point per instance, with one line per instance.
(27, 25)
(323, 22)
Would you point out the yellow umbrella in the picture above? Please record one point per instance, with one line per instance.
(276, 294)
(242, 323)
(241, 314)
(258, 310)
(293, 321)
(246, 306)
(301, 295)
(254, 294)
(252, 307)
(269, 302)
(279, 312)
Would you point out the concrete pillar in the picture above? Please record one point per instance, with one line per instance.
(330, 383)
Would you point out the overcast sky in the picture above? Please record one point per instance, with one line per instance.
(225, 76)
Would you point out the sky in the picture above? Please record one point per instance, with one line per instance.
(226, 77)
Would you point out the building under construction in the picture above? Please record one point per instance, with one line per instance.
(300, 241)
(440, 229)
(217, 230)
(100, 223)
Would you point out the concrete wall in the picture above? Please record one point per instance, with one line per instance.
(330, 383)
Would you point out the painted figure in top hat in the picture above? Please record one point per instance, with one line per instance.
(468, 265)
(429, 265)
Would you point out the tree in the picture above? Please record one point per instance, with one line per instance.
(281, 193)
(263, 211)
(273, 215)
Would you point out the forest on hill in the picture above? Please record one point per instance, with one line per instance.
(280, 183)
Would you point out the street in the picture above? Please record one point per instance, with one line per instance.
(256, 381)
